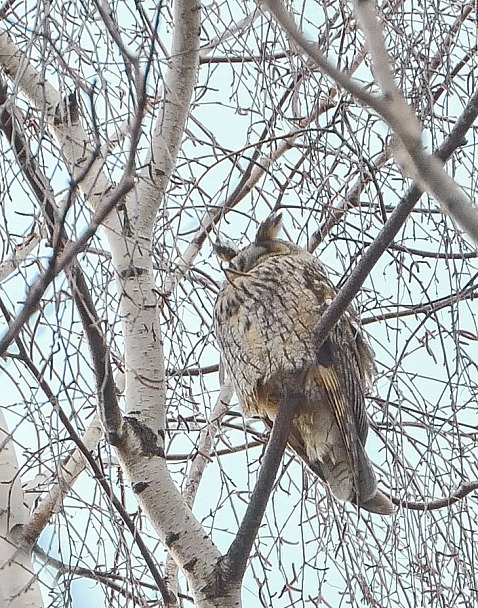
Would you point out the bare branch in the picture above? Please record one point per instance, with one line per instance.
(68, 473)
(30, 532)
(430, 172)
(21, 253)
(199, 464)
(70, 252)
(352, 198)
(393, 109)
(81, 294)
(391, 228)
(234, 563)
(59, 262)
(71, 136)
(469, 292)
(256, 168)
(463, 490)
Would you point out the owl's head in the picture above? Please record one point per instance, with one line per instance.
(265, 244)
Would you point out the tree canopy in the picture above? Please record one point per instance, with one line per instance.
(133, 135)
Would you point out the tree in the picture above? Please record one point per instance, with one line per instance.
(132, 136)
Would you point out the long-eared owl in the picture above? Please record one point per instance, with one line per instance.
(265, 318)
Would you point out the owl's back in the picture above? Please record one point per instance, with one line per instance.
(265, 320)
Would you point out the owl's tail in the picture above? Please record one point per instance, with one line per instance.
(360, 488)
(379, 503)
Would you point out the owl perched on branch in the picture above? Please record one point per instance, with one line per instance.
(265, 316)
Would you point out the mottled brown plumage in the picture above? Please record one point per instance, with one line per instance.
(265, 317)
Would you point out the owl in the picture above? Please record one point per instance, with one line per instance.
(265, 318)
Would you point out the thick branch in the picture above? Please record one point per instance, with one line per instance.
(73, 140)
(234, 564)
(105, 385)
(31, 531)
(399, 216)
(178, 89)
(18, 581)
(141, 449)
(71, 251)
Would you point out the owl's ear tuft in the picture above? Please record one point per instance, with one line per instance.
(269, 229)
(225, 250)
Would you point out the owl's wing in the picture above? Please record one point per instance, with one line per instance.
(330, 431)
(328, 382)
(353, 362)
(345, 366)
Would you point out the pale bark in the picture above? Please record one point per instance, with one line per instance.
(178, 89)
(20, 254)
(19, 587)
(230, 600)
(141, 437)
(85, 165)
(66, 476)
(73, 140)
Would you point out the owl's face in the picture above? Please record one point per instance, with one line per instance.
(265, 244)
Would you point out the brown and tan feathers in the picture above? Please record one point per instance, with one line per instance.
(265, 318)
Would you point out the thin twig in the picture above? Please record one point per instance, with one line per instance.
(433, 306)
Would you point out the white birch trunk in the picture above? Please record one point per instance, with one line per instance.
(19, 587)
(141, 450)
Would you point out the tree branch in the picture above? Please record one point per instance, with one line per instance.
(234, 564)
(19, 582)
(19, 255)
(468, 292)
(352, 197)
(198, 466)
(70, 252)
(237, 556)
(255, 169)
(106, 389)
(395, 111)
(73, 140)
(463, 490)
(430, 172)
(32, 529)
(178, 90)
(396, 220)
(141, 449)
(80, 290)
